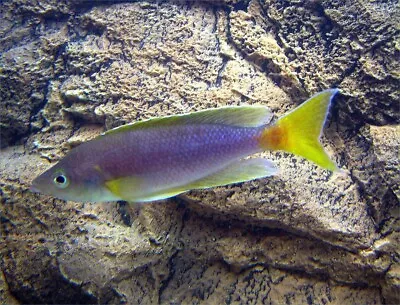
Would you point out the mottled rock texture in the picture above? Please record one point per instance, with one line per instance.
(71, 69)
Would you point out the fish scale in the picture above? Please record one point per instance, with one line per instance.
(185, 152)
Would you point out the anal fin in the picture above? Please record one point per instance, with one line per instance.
(243, 170)
(240, 171)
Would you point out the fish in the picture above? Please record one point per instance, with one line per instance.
(163, 157)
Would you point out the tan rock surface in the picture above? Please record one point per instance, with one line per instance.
(69, 70)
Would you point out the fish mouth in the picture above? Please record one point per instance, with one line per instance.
(34, 189)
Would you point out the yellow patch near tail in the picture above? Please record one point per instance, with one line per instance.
(298, 132)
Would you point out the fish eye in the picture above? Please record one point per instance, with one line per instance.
(61, 181)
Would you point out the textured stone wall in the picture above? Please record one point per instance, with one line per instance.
(71, 69)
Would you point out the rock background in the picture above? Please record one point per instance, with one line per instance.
(70, 69)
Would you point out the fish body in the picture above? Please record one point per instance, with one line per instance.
(163, 157)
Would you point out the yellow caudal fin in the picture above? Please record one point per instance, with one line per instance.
(298, 132)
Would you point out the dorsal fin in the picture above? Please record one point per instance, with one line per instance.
(243, 116)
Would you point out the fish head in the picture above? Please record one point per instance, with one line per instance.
(68, 181)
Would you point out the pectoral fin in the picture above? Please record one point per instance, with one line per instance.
(126, 188)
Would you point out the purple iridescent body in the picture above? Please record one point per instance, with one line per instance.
(163, 157)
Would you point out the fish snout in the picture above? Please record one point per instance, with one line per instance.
(34, 188)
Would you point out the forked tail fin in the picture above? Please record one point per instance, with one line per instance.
(299, 131)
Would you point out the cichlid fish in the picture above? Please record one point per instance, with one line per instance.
(163, 157)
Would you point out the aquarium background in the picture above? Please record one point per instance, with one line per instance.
(71, 69)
